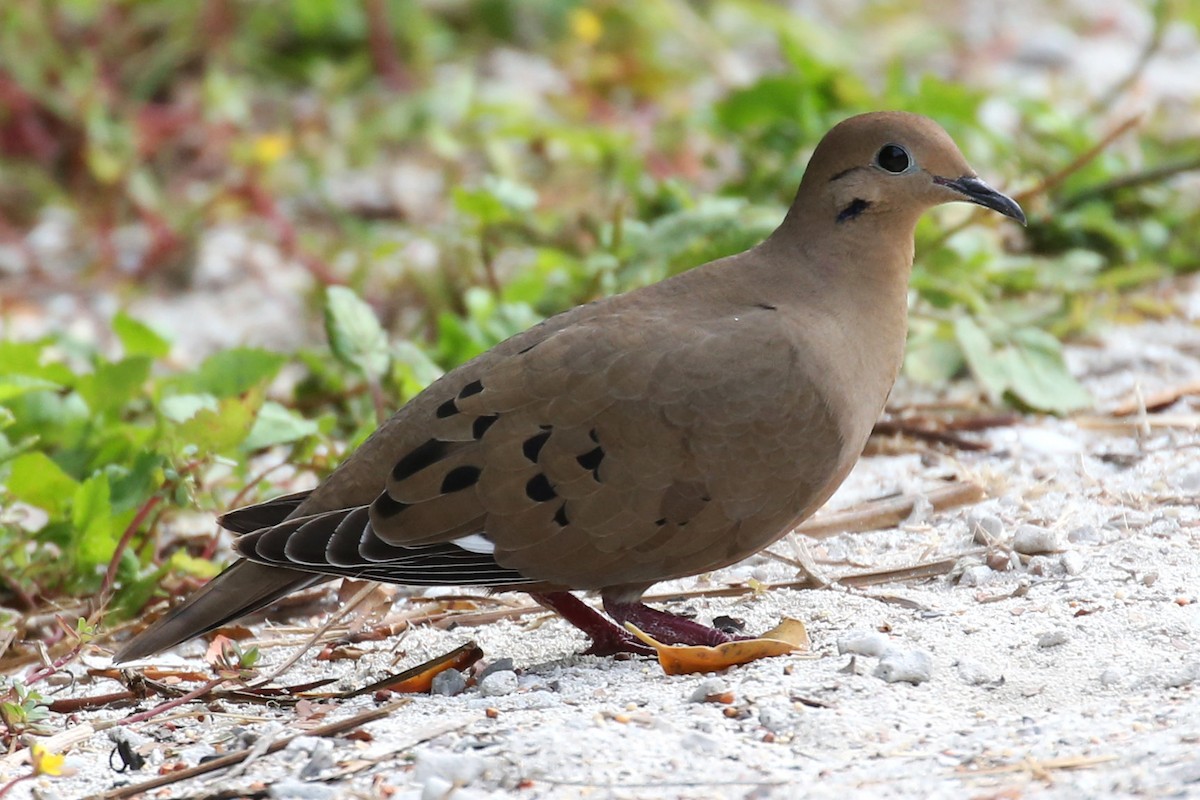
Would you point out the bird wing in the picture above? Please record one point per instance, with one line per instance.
(622, 449)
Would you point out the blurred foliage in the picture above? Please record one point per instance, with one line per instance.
(535, 155)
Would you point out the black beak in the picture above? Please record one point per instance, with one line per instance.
(976, 191)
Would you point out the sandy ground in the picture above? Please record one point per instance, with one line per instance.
(1069, 673)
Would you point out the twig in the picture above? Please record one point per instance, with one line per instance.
(889, 511)
(1130, 181)
(1156, 401)
(332, 729)
(1185, 421)
(1081, 161)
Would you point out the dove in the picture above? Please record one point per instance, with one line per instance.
(666, 432)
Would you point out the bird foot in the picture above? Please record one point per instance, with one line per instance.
(607, 639)
(667, 628)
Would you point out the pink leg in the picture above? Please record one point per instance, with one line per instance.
(607, 638)
(666, 628)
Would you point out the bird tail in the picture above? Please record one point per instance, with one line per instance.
(243, 588)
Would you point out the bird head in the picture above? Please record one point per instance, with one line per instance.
(896, 164)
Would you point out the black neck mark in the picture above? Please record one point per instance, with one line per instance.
(856, 207)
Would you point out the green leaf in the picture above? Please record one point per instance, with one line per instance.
(276, 424)
(182, 407)
(36, 479)
(92, 515)
(985, 364)
(138, 338)
(15, 385)
(114, 383)
(222, 429)
(354, 333)
(231, 372)
(412, 369)
(1039, 374)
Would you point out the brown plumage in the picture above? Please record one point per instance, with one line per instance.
(661, 433)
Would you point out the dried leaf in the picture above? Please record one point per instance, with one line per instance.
(789, 636)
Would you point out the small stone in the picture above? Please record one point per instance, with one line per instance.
(1052, 639)
(910, 666)
(499, 665)
(985, 529)
(459, 769)
(1189, 482)
(1112, 677)
(1184, 677)
(1031, 540)
(1085, 534)
(448, 684)
(1150, 578)
(976, 673)
(293, 789)
(1000, 561)
(863, 643)
(708, 688)
(775, 719)
(1072, 562)
(977, 575)
(498, 684)
(1044, 566)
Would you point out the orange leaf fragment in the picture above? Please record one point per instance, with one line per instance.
(789, 636)
(420, 678)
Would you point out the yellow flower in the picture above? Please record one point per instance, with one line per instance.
(586, 25)
(270, 147)
(44, 762)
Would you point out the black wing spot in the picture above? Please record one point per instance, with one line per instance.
(386, 506)
(460, 478)
(539, 489)
(591, 460)
(447, 409)
(474, 387)
(532, 447)
(418, 459)
(481, 424)
(560, 516)
(595, 437)
(660, 521)
(856, 207)
(766, 306)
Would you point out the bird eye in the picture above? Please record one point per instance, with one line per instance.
(893, 158)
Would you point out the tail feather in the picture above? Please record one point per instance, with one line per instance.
(243, 588)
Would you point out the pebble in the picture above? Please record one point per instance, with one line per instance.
(709, 687)
(910, 666)
(775, 719)
(1085, 534)
(459, 769)
(1072, 562)
(1112, 677)
(498, 684)
(863, 643)
(1044, 566)
(976, 575)
(448, 683)
(985, 529)
(499, 665)
(976, 673)
(1032, 539)
(1052, 639)
(1184, 677)
(292, 789)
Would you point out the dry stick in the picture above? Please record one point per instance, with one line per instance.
(331, 729)
(1129, 181)
(1185, 421)
(312, 640)
(889, 511)
(1155, 401)
(1081, 161)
